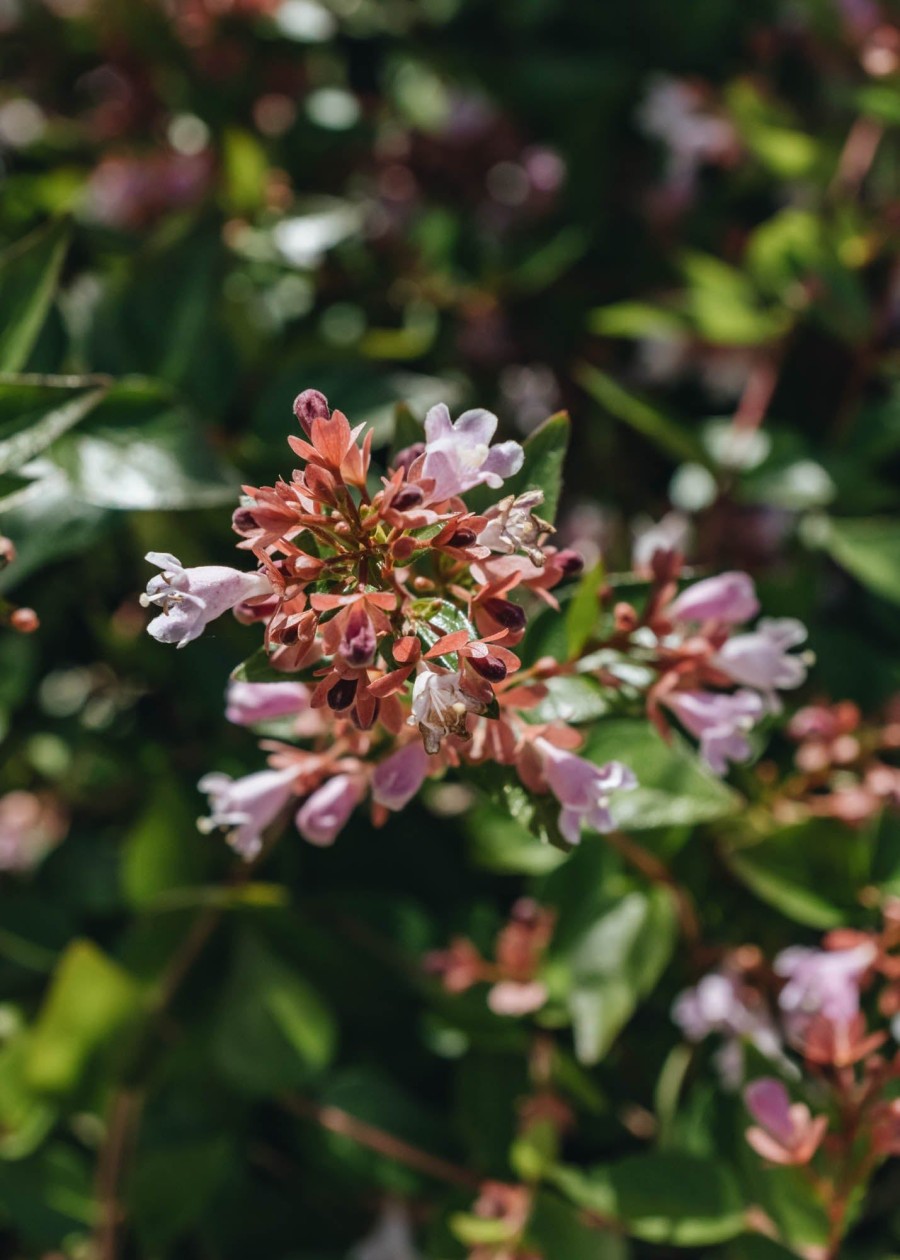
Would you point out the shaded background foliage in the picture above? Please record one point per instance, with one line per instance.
(210, 207)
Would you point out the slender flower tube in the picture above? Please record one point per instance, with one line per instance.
(245, 807)
(727, 597)
(322, 817)
(191, 598)
(582, 789)
(249, 703)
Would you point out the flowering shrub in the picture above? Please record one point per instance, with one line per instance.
(543, 905)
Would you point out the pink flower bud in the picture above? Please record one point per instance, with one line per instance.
(248, 703)
(322, 817)
(727, 597)
(311, 405)
(398, 778)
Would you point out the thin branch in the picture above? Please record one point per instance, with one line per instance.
(336, 1120)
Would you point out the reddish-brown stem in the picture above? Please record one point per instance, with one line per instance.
(657, 871)
(338, 1121)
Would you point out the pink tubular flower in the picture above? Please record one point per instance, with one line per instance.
(727, 597)
(459, 455)
(322, 817)
(822, 982)
(669, 535)
(245, 807)
(398, 778)
(785, 1132)
(249, 703)
(760, 659)
(582, 789)
(191, 598)
(719, 720)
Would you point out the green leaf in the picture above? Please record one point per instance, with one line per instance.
(676, 1199)
(91, 1001)
(559, 1230)
(256, 669)
(29, 272)
(674, 788)
(615, 964)
(141, 452)
(571, 698)
(173, 1186)
(667, 434)
(48, 524)
(583, 610)
(636, 319)
(811, 872)
(408, 430)
(164, 850)
(545, 453)
(36, 411)
(435, 618)
(869, 549)
(273, 1031)
(25, 1117)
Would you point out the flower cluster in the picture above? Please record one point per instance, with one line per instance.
(516, 988)
(392, 609)
(811, 1014)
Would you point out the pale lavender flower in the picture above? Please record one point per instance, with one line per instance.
(727, 597)
(398, 778)
(191, 598)
(322, 817)
(245, 807)
(582, 789)
(719, 720)
(720, 1004)
(249, 703)
(821, 982)
(459, 455)
(668, 535)
(761, 658)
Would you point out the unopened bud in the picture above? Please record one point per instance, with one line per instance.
(626, 617)
(462, 538)
(489, 667)
(509, 615)
(570, 562)
(311, 405)
(342, 694)
(243, 521)
(373, 717)
(24, 620)
(408, 456)
(407, 497)
(7, 550)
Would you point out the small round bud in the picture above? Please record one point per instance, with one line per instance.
(7, 550)
(462, 538)
(311, 405)
(24, 620)
(625, 616)
(408, 497)
(511, 616)
(489, 667)
(342, 694)
(408, 456)
(243, 521)
(570, 562)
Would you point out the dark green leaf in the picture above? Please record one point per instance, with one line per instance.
(29, 272)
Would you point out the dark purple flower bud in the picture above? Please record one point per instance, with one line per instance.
(311, 405)
(358, 642)
(407, 497)
(570, 562)
(511, 616)
(243, 521)
(408, 456)
(489, 667)
(342, 694)
(462, 538)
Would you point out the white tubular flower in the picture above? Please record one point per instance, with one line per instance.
(440, 707)
(191, 598)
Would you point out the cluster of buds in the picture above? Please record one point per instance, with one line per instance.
(516, 988)
(22, 620)
(842, 766)
(807, 1013)
(391, 611)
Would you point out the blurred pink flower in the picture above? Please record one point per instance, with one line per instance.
(398, 778)
(727, 597)
(785, 1132)
(248, 703)
(582, 789)
(719, 720)
(322, 817)
(245, 807)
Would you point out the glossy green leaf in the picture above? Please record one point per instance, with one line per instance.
(545, 453)
(90, 1002)
(673, 1198)
(667, 434)
(29, 272)
(869, 549)
(36, 411)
